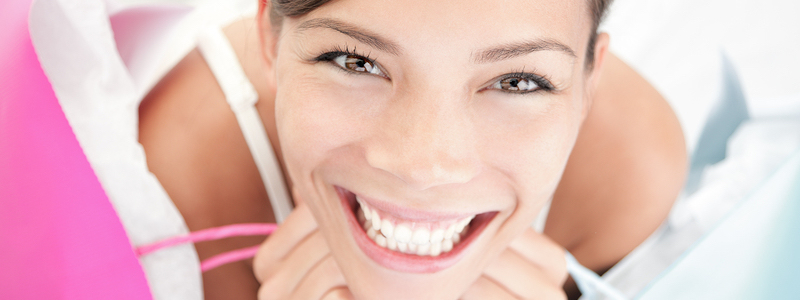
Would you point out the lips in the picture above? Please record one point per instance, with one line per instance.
(407, 240)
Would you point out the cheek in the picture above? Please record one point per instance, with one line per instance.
(315, 116)
(531, 142)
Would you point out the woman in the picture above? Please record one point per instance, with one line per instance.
(440, 118)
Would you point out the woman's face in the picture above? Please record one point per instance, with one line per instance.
(434, 114)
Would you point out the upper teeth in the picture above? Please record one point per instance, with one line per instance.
(411, 237)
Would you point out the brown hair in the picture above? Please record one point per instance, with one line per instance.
(278, 9)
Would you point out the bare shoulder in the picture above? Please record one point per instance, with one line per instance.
(195, 148)
(624, 174)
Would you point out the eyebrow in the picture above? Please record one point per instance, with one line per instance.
(359, 34)
(509, 51)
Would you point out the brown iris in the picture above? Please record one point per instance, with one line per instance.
(517, 84)
(357, 63)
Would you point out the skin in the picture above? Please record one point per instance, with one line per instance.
(425, 137)
(607, 202)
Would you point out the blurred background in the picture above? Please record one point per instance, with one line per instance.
(727, 67)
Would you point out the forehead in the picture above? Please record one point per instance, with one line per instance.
(463, 22)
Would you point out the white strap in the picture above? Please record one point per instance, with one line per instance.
(242, 98)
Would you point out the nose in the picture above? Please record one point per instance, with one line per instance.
(426, 141)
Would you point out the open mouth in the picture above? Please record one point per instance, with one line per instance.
(410, 241)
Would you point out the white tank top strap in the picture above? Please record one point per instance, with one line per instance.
(242, 97)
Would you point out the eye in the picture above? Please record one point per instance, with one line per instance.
(357, 64)
(522, 83)
(516, 84)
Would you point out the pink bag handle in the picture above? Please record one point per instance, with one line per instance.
(215, 233)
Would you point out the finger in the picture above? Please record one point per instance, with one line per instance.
(543, 252)
(295, 266)
(521, 278)
(325, 276)
(338, 293)
(297, 227)
(485, 288)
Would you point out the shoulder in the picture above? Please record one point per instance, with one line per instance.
(192, 140)
(624, 174)
(197, 152)
(185, 120)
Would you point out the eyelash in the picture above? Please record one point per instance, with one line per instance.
(544, 85)
(331, 55)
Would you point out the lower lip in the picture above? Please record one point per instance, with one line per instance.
(406, 262)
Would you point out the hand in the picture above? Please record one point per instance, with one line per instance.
(296, 263)
(532, 267)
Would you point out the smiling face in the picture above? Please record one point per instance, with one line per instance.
(450, 121)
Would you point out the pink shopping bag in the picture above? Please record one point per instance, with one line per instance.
(60, 238)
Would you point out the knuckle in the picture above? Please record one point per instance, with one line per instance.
(259, 268)
(330, 266)
(552, 294)
(560, 272)
(563, 275)
(560, 295)
(266, 293)
(263, 268)
(338, 293)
